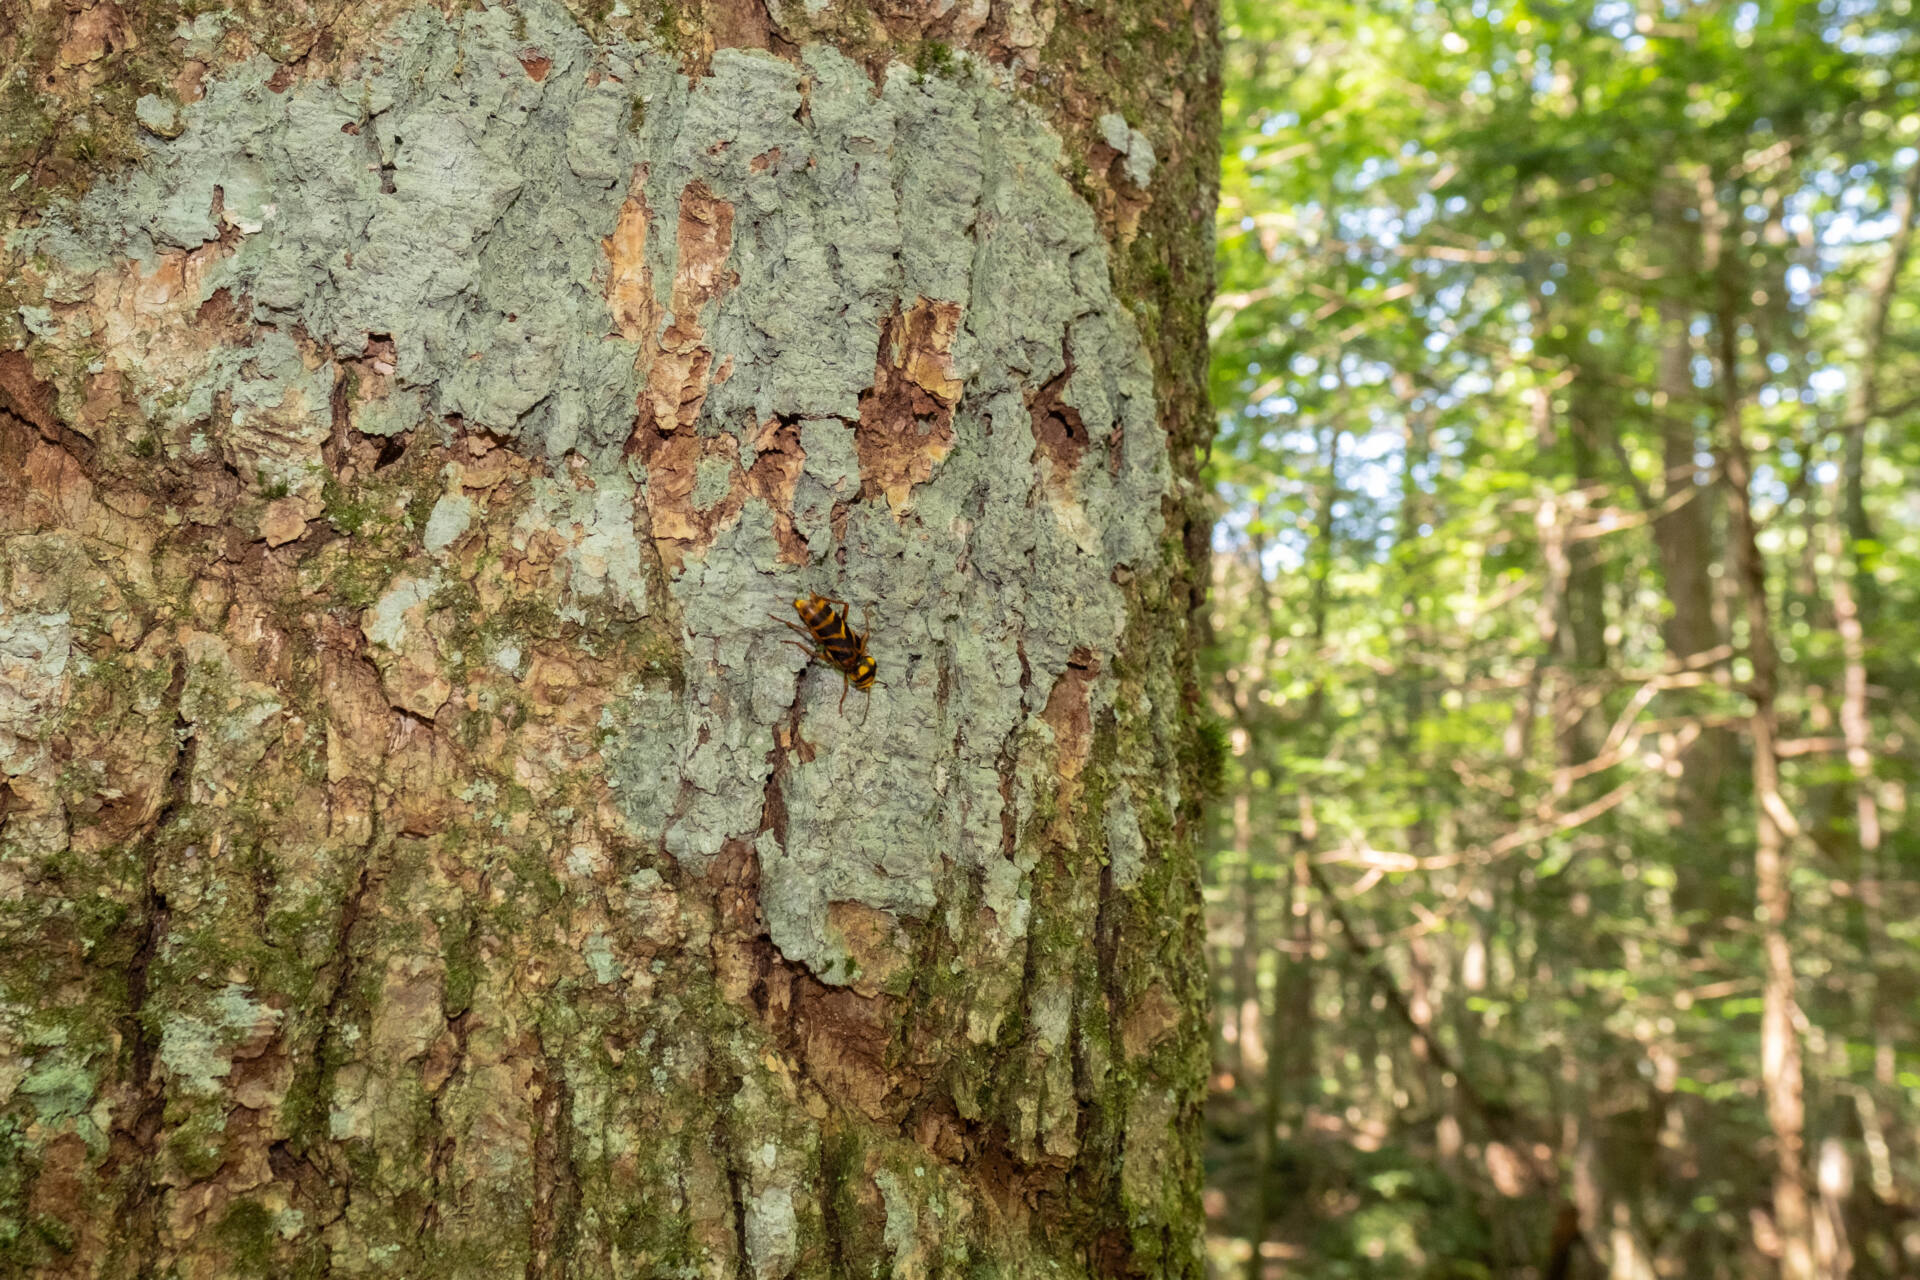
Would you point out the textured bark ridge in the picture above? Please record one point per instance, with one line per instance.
(420, 850)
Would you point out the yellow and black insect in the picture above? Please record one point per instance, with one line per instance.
(833, 641)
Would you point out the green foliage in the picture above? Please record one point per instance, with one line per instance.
(1495, 280)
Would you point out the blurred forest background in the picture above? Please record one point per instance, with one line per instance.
(1565, 888)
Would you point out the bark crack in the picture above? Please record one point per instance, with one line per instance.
(460, 1029)
(831, 1182)
(321, 1069)
(556, 1181)
(136, 1145)
(723, 1141)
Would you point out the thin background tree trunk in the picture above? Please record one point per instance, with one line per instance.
(1780, 1053)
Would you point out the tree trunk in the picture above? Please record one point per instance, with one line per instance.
(1863, 396)
(424, 852)
(1684, 543)
(1774, 824)
(1249, 1058)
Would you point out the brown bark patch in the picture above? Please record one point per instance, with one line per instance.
(422, 766)
(680, 364)
(684, 519)
(488, 466)
(261, 1075)
(410, 672)
(536, 63)
(1069, 714)
(673, 465)
(63, 1182)
(358, 722)
(737, 946)
(1154, 1015)
(1120, 202)
(629, 282)
(777, 463)
(906, 419)
(876, 942)
(95, 32)
(58, 491)
(556, 1182)
(550, 683)
(220, 312)
(32, 401)
(841, 1038)
(26, 396)
(738, 24)
(285, 521)
(838, 1038)
(1059, 436)
(134, 751)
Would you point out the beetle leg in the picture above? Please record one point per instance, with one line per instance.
(815, 654)
(792, 626)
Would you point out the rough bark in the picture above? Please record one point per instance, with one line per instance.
(422, 853)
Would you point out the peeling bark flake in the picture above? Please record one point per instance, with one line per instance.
(679, 364)
(906, 420)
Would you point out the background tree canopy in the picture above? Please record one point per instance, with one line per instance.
(1565, 893)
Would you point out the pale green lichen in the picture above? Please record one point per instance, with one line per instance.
(449, 520)
(399, 410)
(197, 1051)
(157, 115)
(940, 189)
(1131, 143)
(34, 651)
(39, 321)
(1126, 847)
(608, 569)
(712, 479)
(598, 953)
(831, 474)
(279, 411)
(59, 1087)
(771, 1232)
(645, 738)
(913, 1222)
(231, 718)
(393, 618)
(480, 262)
(201, 34)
